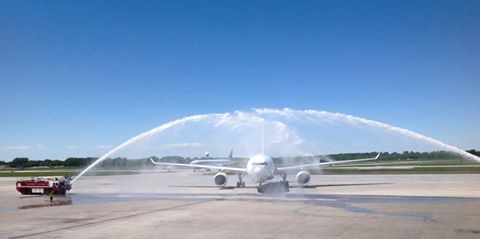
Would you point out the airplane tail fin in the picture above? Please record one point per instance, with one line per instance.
(230, 156)
(263, 139)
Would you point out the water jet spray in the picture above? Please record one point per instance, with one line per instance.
(284, 136)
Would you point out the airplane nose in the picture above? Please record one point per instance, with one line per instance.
(258, 173)
(257, 170)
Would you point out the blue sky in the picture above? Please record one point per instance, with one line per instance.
(79, 77)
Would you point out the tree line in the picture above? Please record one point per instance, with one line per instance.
(406, 155)
(76, 162)
(69, 162)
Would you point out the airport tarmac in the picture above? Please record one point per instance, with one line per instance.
(183, 204)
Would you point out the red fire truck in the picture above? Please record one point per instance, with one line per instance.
(59, 186)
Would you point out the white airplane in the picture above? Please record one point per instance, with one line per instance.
(260, 168)
(207, 160)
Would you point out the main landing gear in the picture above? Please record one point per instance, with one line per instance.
(240, 183)
(284, 181)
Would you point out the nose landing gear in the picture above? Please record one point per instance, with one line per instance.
(274, 188)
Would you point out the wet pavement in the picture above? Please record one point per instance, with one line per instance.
(101, 207)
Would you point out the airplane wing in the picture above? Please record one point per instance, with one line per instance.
(211, 161)
(325, 163)
(223, 168)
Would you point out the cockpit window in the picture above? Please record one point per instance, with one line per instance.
(262, 163)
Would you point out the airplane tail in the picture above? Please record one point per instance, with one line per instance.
(263, 139)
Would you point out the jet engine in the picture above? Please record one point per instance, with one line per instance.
(303, 178)
(221, 179)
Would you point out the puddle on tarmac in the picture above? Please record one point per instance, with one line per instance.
(43, 201)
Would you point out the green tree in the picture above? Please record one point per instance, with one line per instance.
(78, 162)
(18, 163)
(474, 152)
